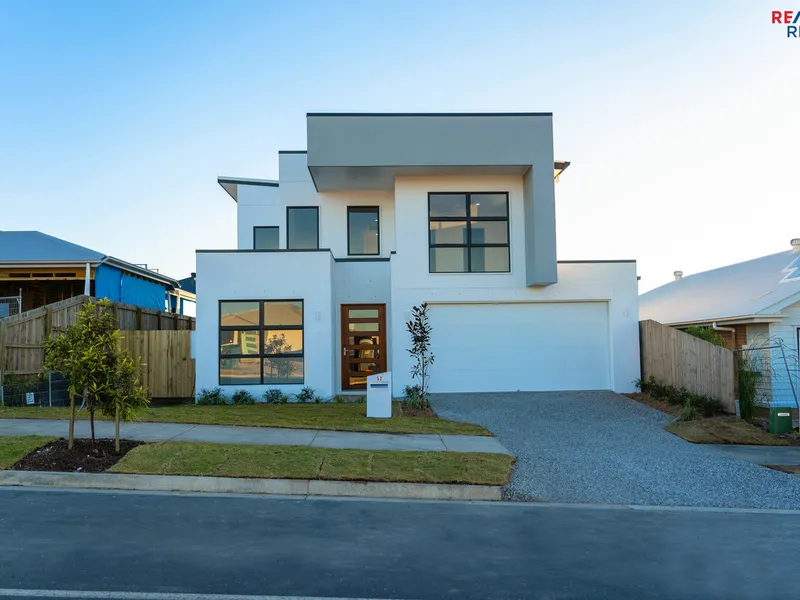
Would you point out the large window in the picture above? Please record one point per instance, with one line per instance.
(468, 232)
(260, 341)
(363, 230)
(265, 238)
(302, 228)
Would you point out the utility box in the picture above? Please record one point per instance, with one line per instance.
(780, 419)
(379, 396)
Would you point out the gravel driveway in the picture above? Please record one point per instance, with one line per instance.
(600, 447)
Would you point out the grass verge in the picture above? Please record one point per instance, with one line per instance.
(14, 448)
(333, 417)
(724, 430)
(293, 462)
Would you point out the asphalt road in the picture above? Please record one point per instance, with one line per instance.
(171, 544)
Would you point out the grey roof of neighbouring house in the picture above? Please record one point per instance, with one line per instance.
(31, 247)
(759, 287)
(188, 284)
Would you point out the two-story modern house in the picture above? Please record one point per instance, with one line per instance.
(384, 212)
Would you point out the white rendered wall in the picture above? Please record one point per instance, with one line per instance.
(267, 276)
(412, 284)
(358, 282)
(258, 206)
(297, 189)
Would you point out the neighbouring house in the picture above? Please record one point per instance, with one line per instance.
(183, 300)
(41, 269)
(755, 307)
(384, 212)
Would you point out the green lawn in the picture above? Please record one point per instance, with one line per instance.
(293, 462)
(724, 430)
(14, 448)
(334, 417)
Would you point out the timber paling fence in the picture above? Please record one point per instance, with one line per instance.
(684, 361)
(161, 340)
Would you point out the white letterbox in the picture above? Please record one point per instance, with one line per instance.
(379, 396)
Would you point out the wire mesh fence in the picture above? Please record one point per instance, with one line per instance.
(52, 389)
(10, 305)
(774, 372)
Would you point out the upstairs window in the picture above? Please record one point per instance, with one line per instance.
(302, 227)
(363, 230)
(468, 232)
(265, 238)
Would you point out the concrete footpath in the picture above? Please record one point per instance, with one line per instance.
(761, 455)
(259, 436)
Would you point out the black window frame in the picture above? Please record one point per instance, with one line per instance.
(364, 209)
(261, 328)
(288, 229)
(256, 227)
(469, 220)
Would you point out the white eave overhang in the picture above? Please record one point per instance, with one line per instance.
(740, 320)
(367, 151)
(231, 184)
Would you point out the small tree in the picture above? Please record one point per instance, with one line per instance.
(420, 329)
(126, 395)
(88, 353)
(61, 354)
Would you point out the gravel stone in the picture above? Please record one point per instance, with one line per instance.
(600, 447)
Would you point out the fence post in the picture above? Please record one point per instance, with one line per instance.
(791, 380)
(2, 351)
(48, 320)
(2, 389)
(50, 388)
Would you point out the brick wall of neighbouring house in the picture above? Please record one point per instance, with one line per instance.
(741, 335)
(727, 336)
(735, 339)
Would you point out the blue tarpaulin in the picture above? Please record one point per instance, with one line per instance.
(112, 283)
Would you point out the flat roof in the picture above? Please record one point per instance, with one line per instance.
(230, 184)
(439, 114)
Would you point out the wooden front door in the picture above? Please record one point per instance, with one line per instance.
(363, 343)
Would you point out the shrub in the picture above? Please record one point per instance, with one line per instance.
(688, 413)
(348, 399)
(274, 396)
(420, 329)
(243, 397)
(706, 333)
(211, 397)
(748, 385)
(306, 395)
(413, 396)
(681, 397)
(707, 405)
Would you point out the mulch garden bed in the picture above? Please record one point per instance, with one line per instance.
(665, 407)
(407, 411)
(82, 458)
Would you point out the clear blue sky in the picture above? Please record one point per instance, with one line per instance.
(681, 119)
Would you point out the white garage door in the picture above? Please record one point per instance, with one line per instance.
(509, 347)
